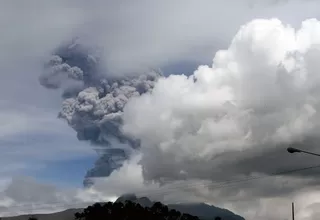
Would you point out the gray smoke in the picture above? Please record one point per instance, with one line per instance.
(93, 102)
(58, 71)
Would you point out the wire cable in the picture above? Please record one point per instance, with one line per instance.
(216, 185)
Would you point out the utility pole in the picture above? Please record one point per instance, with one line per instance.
(292, 211)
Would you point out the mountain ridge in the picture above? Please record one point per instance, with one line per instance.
(202, 210)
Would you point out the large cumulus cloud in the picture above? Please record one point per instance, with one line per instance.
(237, 116)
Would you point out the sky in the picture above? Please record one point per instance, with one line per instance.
(234, 121)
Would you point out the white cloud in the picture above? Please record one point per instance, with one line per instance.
(250, 98)
(25, 195)
(130, 179)
(260, 95)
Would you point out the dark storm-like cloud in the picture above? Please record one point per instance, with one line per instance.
(93, 101)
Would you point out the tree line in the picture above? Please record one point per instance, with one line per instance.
(131, 211)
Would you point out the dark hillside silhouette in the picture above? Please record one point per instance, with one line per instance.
(142, 206)
(202, 210)
(131, 211)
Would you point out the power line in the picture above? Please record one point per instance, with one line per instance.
(223, 184)
(216, 185)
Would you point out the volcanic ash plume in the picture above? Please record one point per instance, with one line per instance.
(224, 120)
(93, 102)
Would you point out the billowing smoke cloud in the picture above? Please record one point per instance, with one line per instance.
(259, 96)
(93, 102)
(59, 72)
(238, 116)
(224, 122)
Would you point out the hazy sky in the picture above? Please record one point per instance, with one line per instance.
(42, 161)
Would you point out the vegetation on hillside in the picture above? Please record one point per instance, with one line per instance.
(128, 210)
(131, 211)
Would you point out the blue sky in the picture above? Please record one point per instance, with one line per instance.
(50, 152)
(65, 173)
